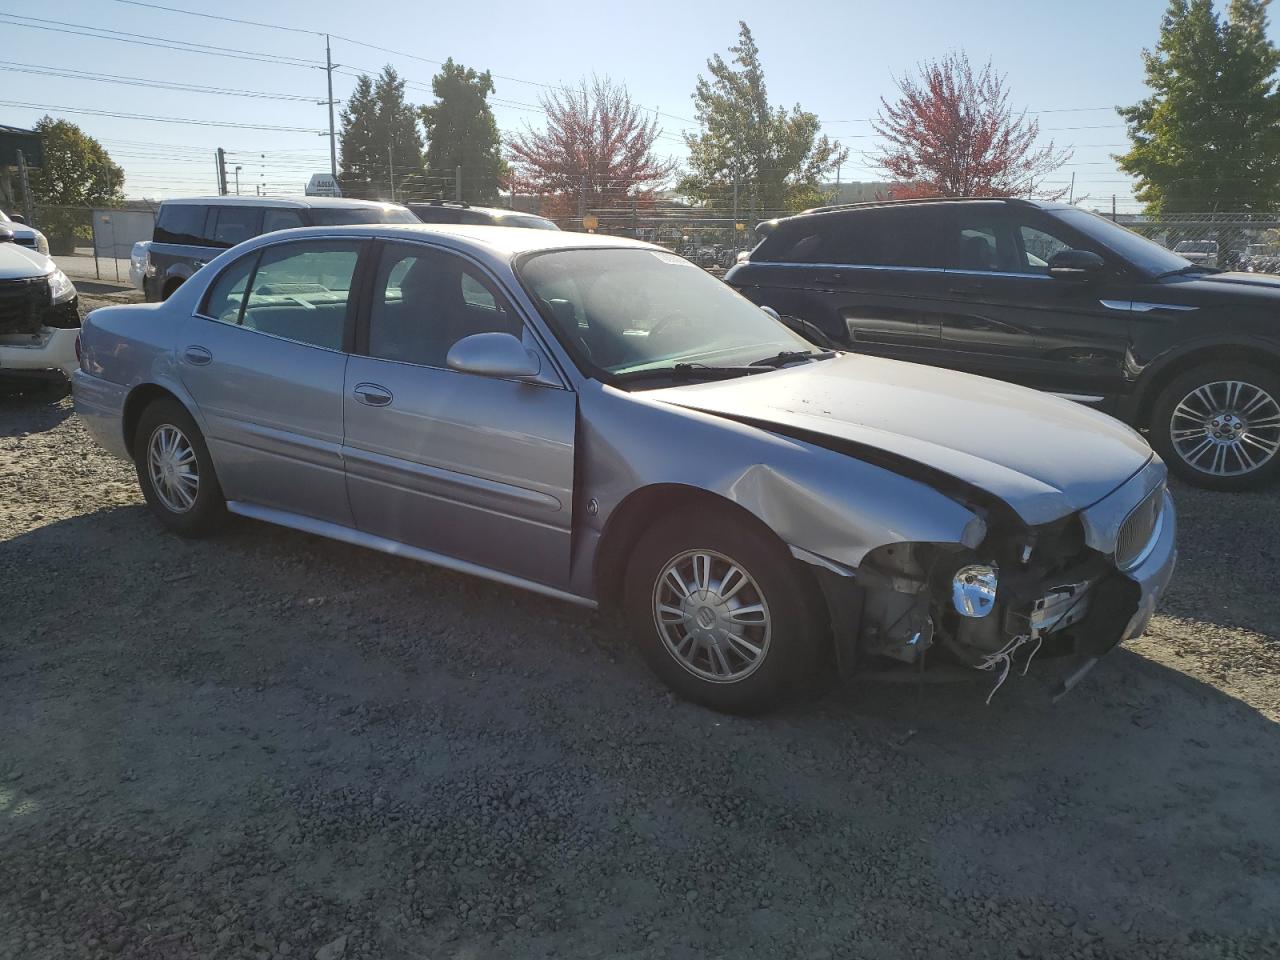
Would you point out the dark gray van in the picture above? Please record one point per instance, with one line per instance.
(189, 233)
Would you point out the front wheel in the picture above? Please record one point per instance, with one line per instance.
(175, 470)
(722, 613)
(1218, 426)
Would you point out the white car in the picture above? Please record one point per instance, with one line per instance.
(39, 315)
(25, 236)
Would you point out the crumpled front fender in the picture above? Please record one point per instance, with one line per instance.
(825, 505)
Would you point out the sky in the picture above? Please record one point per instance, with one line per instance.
(1071, 64)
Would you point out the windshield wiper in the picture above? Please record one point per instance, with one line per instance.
(685, 371)
(790, 356)
(1189, 268)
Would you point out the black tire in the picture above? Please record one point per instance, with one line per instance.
(208, 508)
(1200, 473)
(798, 627)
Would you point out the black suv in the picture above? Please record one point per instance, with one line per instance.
(451, 211)
(1051, 297)
(189, 233)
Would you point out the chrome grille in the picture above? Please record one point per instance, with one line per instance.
(1139, 529)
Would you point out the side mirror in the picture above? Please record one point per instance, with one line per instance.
(497, 355)
(17, 218)
(773, 313)
(6, 235)
(1076, 265)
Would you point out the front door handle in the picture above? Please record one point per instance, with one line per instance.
(373, 395)
(197, 355)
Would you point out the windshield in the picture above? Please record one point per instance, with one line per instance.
(346, 216)
(620, 311)
(1147, 256)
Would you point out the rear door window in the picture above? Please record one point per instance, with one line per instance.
(300, 291)
(878, 237)
(181, 223)
(276, 218)
(236, 224)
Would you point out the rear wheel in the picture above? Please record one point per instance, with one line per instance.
(1218, 426)
(175, 471)
(722, 613)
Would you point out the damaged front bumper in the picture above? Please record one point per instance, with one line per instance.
(1102, 592)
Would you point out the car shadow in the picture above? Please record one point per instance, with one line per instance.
(34, 408)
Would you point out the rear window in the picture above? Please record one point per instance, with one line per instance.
(347, 216)
(181, 223)
(891, 237)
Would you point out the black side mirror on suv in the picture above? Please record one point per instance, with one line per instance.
(1076, 265)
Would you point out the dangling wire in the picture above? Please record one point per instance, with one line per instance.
(1003, 658)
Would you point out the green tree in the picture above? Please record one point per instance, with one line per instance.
(461, 132)
(381, 145)
(1208, 137)
(77, 175)
(775, 156)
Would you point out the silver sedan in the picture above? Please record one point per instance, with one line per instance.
(601, 421)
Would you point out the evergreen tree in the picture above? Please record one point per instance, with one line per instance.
(461, 132)
(1208, 137)
(381, 141)
(774, 155)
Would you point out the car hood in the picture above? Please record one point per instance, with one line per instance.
(21, 263)
(1043, 456)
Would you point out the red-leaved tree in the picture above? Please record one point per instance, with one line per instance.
(952, 133)
(596, 150)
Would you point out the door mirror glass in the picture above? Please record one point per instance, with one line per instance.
(497, 355)
(1076, 265)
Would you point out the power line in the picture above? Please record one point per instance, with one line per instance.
(139, 116)
(215, 16)
(166, 43)
(70, 74)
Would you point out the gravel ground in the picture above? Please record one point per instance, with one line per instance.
(269, 745)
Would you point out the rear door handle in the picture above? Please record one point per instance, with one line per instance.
(373, 395)
(197, 355)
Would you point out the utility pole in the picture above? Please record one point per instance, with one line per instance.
(1113, 208)
(735, 212)
(238, 168)
(1071, 195)
(221, 160)
(391, 174)
(457, 183)
(333, 142)
(26, 189)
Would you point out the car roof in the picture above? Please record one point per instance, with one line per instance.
(503, 242)
(456, 205)
(342, 203)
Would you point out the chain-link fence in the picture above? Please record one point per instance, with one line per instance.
(1229, 241)
(94, 242)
